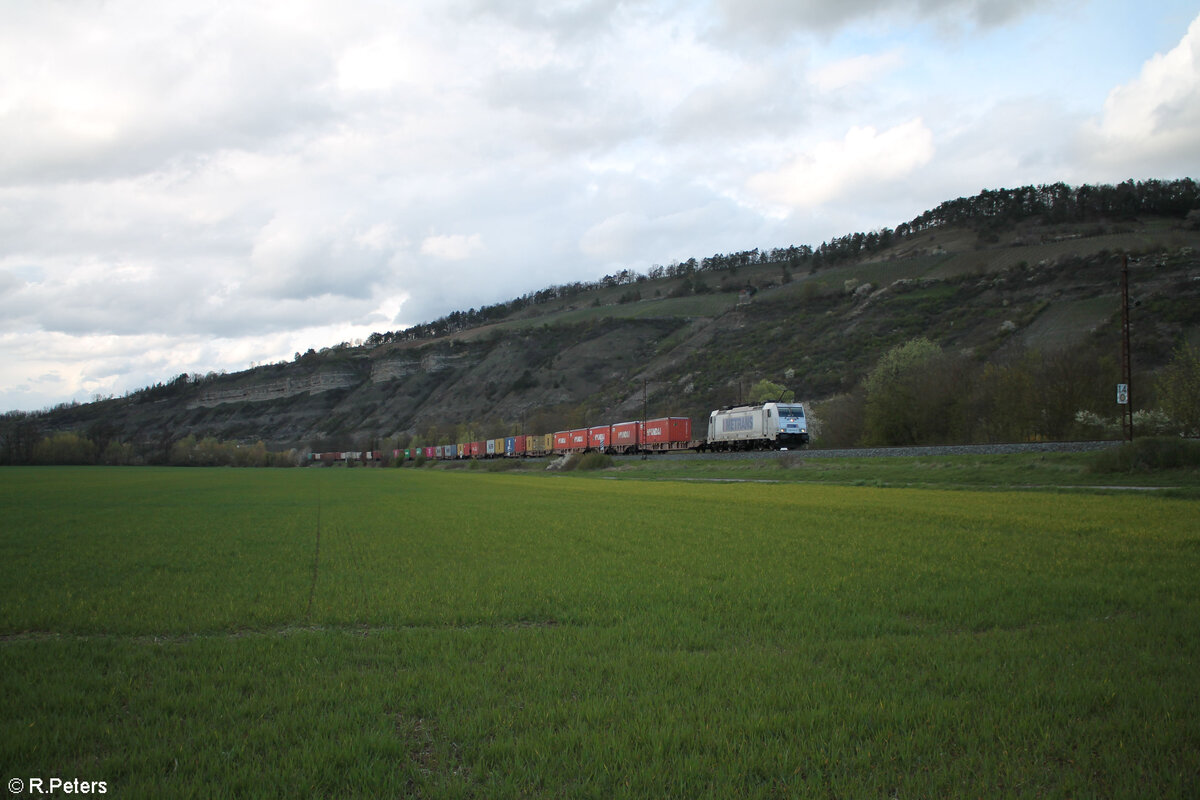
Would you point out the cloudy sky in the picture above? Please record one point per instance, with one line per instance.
(187, 187)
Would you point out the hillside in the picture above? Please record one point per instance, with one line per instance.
(691, 340)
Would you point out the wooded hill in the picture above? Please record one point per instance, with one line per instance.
(1016, 293)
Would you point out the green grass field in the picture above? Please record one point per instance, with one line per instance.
(1014, 471)
(340, 633)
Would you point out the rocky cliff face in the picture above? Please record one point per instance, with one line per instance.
(256, 391)
(555, 375)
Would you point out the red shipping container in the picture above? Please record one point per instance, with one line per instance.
(562, 441)
(477, 448)
(579, 440)
(668, 430)
(626, 434)
(429, 452)
(599, 437)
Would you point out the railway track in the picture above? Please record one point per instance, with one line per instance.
(878, 452)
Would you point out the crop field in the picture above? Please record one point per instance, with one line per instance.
(346, 633)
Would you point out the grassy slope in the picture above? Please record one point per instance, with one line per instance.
(961, 255)
(186, 633)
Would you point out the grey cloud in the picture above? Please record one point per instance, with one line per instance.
(9, 282)
(548, 90)
(743, 106)
(142, 101)
(315, 269)
(243, 316)
(570, 20)
(774, 20)
(102, 304)
(179, 301)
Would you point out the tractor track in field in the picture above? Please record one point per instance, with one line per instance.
(348, 629)
(312, 587)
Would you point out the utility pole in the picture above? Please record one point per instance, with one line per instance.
(1124, 393)
(642, 430)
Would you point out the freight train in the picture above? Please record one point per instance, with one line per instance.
(744, 427)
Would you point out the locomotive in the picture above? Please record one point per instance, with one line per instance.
(766, 426)
(745, 427)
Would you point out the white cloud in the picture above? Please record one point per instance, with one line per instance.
(833, 169)
(855, 70)
(452, 247)
(1154, 120)
(380, 64)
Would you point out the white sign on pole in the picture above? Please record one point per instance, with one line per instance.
(1122, 394)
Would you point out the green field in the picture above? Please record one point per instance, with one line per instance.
(340, 633)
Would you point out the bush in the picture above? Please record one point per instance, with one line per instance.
(911, 394)
(1148, 455)
(504, 465)
(1179, 388)
(588, 461)
(838, 421)
(118, 454)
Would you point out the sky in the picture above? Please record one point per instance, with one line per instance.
(197, 187)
